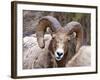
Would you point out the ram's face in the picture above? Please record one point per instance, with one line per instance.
(59, 42)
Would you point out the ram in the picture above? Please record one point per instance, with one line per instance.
(54, 50)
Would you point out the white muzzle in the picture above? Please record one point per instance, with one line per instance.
(59, 53)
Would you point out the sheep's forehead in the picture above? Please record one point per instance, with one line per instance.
(61, 36)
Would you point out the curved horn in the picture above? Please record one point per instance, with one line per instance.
(46, 21)
(77, 28)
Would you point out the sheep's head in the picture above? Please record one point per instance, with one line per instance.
(57, 44)
(60, 35)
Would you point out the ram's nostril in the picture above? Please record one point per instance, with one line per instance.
(59, 53)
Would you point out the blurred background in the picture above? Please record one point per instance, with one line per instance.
(31, 18)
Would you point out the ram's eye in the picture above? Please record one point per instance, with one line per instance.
(71, 36)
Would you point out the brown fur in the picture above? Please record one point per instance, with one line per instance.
(61, 36)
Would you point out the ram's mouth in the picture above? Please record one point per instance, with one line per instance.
(58, 58)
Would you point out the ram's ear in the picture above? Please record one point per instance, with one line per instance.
(72, 36)
(51, 32)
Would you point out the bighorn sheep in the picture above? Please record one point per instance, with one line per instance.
(55, 52)
(59, 44)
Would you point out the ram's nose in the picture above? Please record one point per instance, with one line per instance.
(59, 54)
